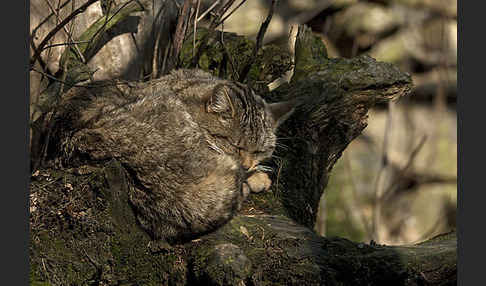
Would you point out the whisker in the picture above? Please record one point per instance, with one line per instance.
(283, 146)
(289, 138)
(213, 146)
(276, 157)
(263, 168)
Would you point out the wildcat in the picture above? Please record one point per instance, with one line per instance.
(191, 142)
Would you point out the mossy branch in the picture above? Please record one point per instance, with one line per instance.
(310, 52)
(92, 40)
(82, 214)
(263, 249)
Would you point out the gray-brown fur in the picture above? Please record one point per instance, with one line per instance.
(191, 143)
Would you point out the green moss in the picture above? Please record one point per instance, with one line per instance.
(35, 278)
(228, 60)
(56, 249)
(310, 53)
(209, 54)
(265, 202)
(104, 244)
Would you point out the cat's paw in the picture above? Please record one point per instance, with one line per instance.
(259, 182)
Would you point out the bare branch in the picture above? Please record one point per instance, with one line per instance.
(65, 44)
(181, 27)
(230, 58)
(63, 23)
(41, 61)
(34, 31)
(215, 22)
(402, 172)
(259, 42)
(195, 28)
(219, 14)
(232, 11)
(68, 35)
(208, 10)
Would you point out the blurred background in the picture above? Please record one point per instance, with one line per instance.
(396, 183)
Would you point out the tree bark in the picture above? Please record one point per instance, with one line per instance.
(83, 230)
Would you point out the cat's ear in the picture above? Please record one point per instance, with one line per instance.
(280, 111)
(220, 100)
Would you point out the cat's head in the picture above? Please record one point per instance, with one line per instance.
(244, 123)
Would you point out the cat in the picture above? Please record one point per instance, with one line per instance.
(191, 142)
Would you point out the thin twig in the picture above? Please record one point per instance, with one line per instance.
(181, 27)
(34, 31)
(230, 58)
(166, 56)
(259, 42)
(41, 61)
(46, 39)
(65, 67)
(207, 10)
(232, 11)
(195, 28)
(402, 171)
(155, 62)
(208, 39)
(69, 36)
(219, 14)
(65, 44)
(75, 85)
(91, 260)
(226, 6)
(176, 3)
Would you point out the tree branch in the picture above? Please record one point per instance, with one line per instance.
(51, 34)
(259, 42)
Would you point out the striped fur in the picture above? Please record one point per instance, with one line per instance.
(189, 142)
